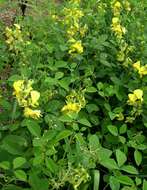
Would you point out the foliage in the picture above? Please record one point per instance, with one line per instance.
(73, 112)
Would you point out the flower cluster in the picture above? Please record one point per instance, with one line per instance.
(74, 29)
(136, 97)
(74, 102)
(13, 37)
(116, 26)
(76, 46)
(142, 70)
(27, 98)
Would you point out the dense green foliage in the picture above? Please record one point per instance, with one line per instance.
(73, 112)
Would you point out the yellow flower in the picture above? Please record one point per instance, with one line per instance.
(127, 6)
(35, 114)
(132, 98)
(137, 65)
(117, 8)
(35, 95)
(71, 107)
(142, 70)
(18, 86)
(8, 31)
(115, 20)
(117, 5)
(139, 94)
(136, 96)
(10, 40)
(76, 47)
(17, 26)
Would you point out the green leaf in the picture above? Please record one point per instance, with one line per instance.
(144, 184)
(138, 181)
(37, 183)
(96, 180)
(12, 187)
(113, 130)
(33, 127)
(122, 139)
(129, 169)
(63, 134)
(64, 83)
(51, 165)
(59, 75)
(138, 157)
(109, 163)
(5, 165)
(114, 184)
(21, 175)
(84, 121)
(121, 157)
(123, 129)
(123, 179)
(94, 143)
(19, 161)
(14, 144)
(92, 107)
(65, 118)
(91, 89)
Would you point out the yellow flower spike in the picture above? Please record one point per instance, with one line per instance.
(35, 95)
(18, 86)
(35, 114)
(139, 94)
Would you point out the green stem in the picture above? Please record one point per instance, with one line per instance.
(14, 110)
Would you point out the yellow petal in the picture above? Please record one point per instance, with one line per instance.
(137, 65)
(35, 95)
(132, 98)
(138, 93)
(35, 114)
(18, 86)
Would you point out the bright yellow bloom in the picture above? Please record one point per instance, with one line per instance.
(18, 86)
(115, 20)
(132, 98)
(17, 26)
(117, 5)
(76, 47)
(127, 6)
(117, 28)
(35, 95)
(136, 96)
(137, 65)
(71, 107)
(117, 8)
(142, 70)
(139, 94)
(35, 114)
